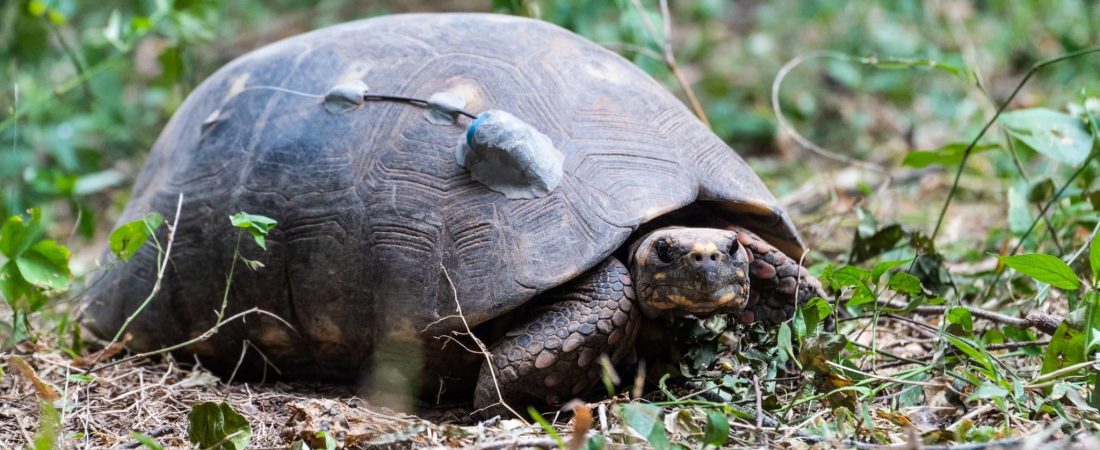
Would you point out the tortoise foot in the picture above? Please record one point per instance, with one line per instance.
(552, 356)
(778, 284)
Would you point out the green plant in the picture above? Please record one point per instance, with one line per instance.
(32, 268)
(217, 426)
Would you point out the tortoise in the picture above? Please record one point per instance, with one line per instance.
(381, 236)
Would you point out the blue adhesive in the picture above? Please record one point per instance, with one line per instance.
(473, 129)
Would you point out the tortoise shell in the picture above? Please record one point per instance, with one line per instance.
(379, 230)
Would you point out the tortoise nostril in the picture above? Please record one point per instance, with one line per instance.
(714, 257)
(697, 257)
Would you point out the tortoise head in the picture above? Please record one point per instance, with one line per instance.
(698, 271)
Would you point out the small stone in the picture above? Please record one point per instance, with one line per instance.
(544, 360)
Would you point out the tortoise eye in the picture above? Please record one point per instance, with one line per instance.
(664, 251)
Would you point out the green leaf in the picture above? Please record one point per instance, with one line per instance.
(546, 426)
(80, 378)
(882, 267)
(904, 283)
(868, 245)
(17, 234)
(330, 443)
(971, 350)
(948, 155)
(847, 276)
(1066, 348)
(127, 239)
(961, 317)
(645, 419)
(1019, 216)
(212, 424)
(784, 340)
(1094, 259)
(258, 226)
(46, 265)
(988, 391)
(49, 426)
(12, 285)
(1045, 268)
(1058, 136)
(717, 430)
(146, 441)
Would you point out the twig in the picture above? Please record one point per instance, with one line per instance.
(153, 434)
(970, 147)
(669, 57)
(1062, 371)
(1046, 323)
(156, 285)
(760, 407)
(786, 126)
(202, 337)
(884, 377)
(518, 443)
(480, 345)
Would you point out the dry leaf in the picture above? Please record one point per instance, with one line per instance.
(45, 392)
(582, 422)
(102, 355)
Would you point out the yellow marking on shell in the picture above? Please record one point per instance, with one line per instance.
(660, 276)
(706, 248)
(740, 273)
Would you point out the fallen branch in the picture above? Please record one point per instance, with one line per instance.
(670, 58)
(518, 443)
(480, 345)
(1046, 323)
(152, 293)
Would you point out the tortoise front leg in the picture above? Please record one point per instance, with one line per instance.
(774, 279)
(551, 356)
